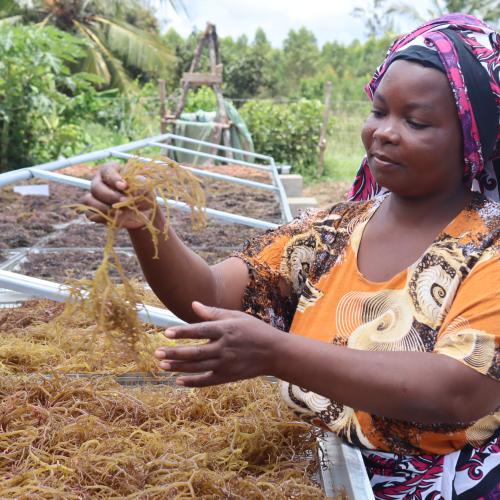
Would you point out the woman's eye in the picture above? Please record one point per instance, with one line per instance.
(377, 113)
(416, 125)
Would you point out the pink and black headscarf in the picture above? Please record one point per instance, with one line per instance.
(468, 52)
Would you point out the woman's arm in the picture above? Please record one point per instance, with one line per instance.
(179, 276)
(414, 386)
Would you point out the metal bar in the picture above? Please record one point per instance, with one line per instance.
(204, 173)
(211, 212)
(60, 178)
(342, 469)
(60, 293)
(219, 146)
(23, 173)
(285, 207)
(209, 155)
(14, 176)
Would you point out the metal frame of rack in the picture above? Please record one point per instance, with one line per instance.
(341, 466)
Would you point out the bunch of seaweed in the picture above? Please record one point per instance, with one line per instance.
(113, 309)
(67, 438)
(38, 338)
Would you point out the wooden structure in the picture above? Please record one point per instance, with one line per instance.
(194, 78)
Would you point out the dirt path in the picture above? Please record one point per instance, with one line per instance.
(327, 192)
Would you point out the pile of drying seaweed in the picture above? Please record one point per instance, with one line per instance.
(67, 438)
(113, 309)
(40, 337)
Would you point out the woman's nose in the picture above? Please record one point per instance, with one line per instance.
(387, 132)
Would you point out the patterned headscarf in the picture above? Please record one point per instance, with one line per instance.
(468, 52)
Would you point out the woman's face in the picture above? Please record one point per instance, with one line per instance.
(413, 137)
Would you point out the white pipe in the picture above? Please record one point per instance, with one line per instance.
(23, 173)
(209, 155)
(204, 173)
(36, 287)
(285, 207)
(184, 207)
(219, 146)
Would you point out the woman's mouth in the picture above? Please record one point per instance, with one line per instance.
(380, 160)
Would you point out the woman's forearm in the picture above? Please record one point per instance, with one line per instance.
(414, 386)
(179, 275)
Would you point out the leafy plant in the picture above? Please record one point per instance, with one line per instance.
(288, 132)
(202, 98)
(39, 117)
(120, 35)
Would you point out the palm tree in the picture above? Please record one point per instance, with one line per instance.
(486, 10)
(119, 33)
(377, 17)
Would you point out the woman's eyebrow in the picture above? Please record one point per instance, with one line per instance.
(419, 105)
(410, 106)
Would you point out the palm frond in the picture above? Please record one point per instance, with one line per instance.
(101, 61)
(179, 6)
(135, 47)
(406, 10)
(114, 9)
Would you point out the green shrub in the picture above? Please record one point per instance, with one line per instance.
(124, 117)
(202, 98)
(288, 132)
(39, 117)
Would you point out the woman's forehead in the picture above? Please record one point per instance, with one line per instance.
(423, 86)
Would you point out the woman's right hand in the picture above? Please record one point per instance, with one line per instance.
(106, 189)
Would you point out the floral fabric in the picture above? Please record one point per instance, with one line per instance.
(304, 278)
(469, 474)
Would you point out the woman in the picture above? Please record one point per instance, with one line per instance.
(393, 303)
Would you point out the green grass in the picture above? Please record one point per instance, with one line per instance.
(345, 150)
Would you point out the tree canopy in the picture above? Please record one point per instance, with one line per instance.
(121, 37)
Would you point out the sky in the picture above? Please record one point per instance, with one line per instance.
(327, 19)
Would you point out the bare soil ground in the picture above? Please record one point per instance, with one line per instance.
(65, 245)
(68, 246)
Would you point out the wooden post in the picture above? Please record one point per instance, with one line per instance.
(324, 129)
(162, 91)
(194, 78)
(194, 64)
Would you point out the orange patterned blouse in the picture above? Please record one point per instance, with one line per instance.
(305, 279)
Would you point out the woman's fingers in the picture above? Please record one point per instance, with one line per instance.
(204, 380)
(199, 352)
(207, 330)
(209, 313)
(189, 367)
(95, 204)
(102, 192)
(97, 210)
(110, 175)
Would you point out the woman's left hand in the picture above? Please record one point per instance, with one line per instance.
(239, 347)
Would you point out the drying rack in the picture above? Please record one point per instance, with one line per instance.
(341, 466)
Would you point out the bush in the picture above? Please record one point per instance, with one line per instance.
(287, 132)
(39, 118)
(117, 117)
(202, 98)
